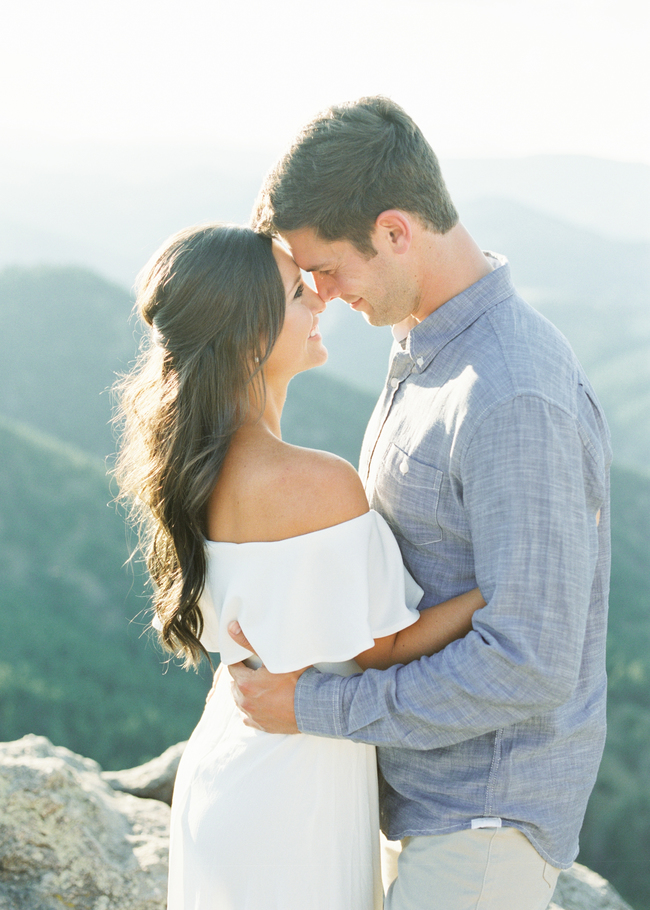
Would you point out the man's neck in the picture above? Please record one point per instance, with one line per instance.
(449, 264)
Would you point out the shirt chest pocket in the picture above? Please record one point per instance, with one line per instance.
(407, 492)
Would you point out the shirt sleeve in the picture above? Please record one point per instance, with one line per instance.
(532, 489)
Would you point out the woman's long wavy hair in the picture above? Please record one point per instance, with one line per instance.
(214, 301)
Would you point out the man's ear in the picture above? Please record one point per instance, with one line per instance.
(394, 227)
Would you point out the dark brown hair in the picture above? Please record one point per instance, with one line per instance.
(214, 301)
(346, 167)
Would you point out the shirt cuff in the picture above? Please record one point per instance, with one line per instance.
(317, 703)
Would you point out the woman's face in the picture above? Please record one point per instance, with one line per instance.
(299, 345)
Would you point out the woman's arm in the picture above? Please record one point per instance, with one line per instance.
(437, 627)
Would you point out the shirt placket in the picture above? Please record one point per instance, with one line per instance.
(400, 368)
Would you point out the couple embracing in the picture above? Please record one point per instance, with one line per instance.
(440, 614)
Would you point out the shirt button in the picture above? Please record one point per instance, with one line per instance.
(420, 361)
(394, 383)
(404, 467)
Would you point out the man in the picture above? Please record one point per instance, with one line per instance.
(488, 455)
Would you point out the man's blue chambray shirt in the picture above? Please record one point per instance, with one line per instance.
(489, 456)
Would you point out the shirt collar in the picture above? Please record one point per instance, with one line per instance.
(423, 340)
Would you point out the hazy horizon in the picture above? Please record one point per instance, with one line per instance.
(544, 77)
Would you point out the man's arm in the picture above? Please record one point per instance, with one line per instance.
(532, 493)
(267, 699)
(533, 518)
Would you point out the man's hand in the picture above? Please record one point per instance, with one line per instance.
(265, 698)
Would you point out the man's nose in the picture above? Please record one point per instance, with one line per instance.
(326, 287)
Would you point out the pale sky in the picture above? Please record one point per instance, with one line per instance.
(483, 79)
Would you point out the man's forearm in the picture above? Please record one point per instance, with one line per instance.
(536, 548)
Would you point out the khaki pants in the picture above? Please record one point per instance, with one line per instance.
(480, 869)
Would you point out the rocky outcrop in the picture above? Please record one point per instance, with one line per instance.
(68, 840)
(581, 889)
(70, 837)
(153, 780)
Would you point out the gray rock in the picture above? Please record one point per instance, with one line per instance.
(153, 780)
(70, 838)
(67, 839)
(581, 889)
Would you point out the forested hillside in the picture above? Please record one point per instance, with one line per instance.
(616, 835)
(65, 332)
(75, 664)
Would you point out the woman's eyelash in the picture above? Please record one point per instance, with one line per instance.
(299, 291)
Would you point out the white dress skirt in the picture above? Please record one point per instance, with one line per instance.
(265, 821)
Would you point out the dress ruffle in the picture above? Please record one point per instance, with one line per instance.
(318, 598)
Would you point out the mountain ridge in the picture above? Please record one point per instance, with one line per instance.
(120, 207)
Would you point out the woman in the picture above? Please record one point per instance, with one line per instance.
(240, 525)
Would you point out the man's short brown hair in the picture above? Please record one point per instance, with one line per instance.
(350, 164)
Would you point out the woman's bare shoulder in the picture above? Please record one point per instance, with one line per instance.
(310, 490)
(275, 490)
(297, 491)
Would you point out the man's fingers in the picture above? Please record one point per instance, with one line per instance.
(240, 672)
(235, 632)
(241, 676)
(266, 699)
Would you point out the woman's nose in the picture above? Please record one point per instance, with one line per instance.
(316, 302)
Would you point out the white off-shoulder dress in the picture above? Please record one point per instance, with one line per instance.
(264, 821)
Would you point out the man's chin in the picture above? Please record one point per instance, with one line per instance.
(370, 317)
(373, 319)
